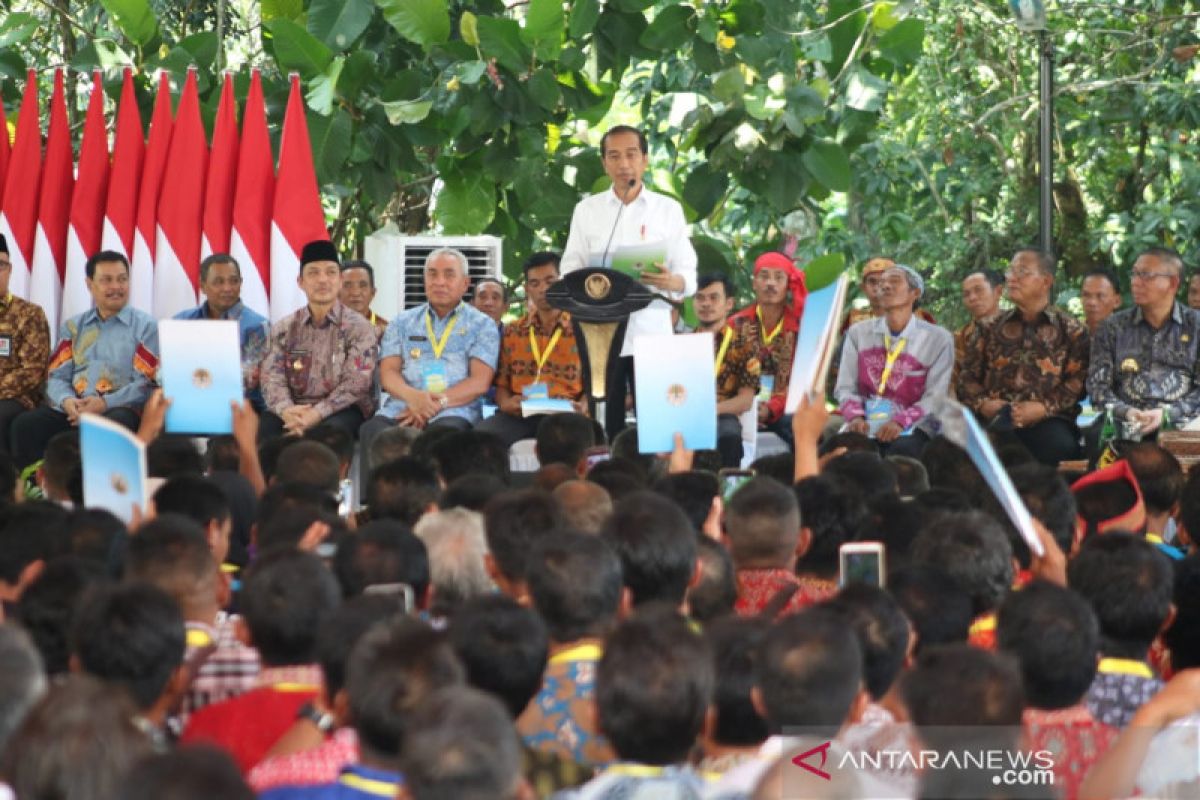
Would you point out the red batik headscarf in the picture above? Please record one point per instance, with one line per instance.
(776, 260)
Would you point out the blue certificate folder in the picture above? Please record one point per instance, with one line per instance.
(676, 391)
(816, 341)
(201, 374)
(114, 466)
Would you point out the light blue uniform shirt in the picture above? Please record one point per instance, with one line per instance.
(474, 336)
(102, 357)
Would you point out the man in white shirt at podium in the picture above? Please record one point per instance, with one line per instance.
(629, 214)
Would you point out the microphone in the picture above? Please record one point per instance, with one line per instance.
(632, 183)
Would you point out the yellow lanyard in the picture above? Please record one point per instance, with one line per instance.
(726, 338)
(197, 638)
(584, 652)
(636, 770)
(892, 354)
(369, 785)
(373, 317)
(762, 326)
(295, 688)
(538, 356)
(437, 344)
(1124, 666)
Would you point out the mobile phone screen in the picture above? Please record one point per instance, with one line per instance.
(861, 568)
(732, 481)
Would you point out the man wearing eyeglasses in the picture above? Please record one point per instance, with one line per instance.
(24, 351)
(221, 282)
(1144, 358)
(1024, 370)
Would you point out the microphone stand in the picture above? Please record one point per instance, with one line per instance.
(603, 258)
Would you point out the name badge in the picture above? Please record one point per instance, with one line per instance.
(5, 346)
(433, 373)
(536, 391)
(766, 387)
(879, 412)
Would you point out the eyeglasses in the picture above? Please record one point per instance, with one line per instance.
(1138, 275)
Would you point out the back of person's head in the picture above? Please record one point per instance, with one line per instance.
(1183, 637)
(283, 495)
(939, 609)
(894, 522)
(422, 446)
(338, 440)
(176, 558)
(457, 549)
(172, 455)
(391, 444)
(196, 772)
(780, 466)
(735, 643)
(564, 438)
(973, 548)
(882, 630)
(957, 685)
(194, 497)
(1128, 583)
(620, 477)
(809, 671)
(514, 522)
(463, 452)
(575, 582)
(586, 505)
(403, 489)
(851, 442)
(289, 526)
(472, 491)
(693, 492)
(94, 533)
(949, 467)
(625, 447)
(871, 475)
(269, 452)
(62, 467)
(30, 533)
(911, 477)
(1159, 475)
(22, 678)
(832, 513)
(549, 476)
(76, 743)
(309, 462)
(285, 597)
(1048, 498)
(461, 745)
(762, 522)
(503, 646)
(1189, 509)
(657, 547)
(47, 607)
(715, 594)
(391, 670)
(1053, 633)
(222, 454)
(382, 552)
(342, 629)
(654, 684)
(131, 636)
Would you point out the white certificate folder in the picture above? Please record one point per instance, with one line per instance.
(676, 391)
(201, 374)
(114, 466)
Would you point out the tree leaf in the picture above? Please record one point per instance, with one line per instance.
(135, 18)
(827, 162)
(424, 22)
(543, 31)
(468, 28)
(203, 47)
(823, 270)
(543, 88)
(501, 39)
(331, 144)
(902, 45)
(323, 88)
(297, 49)
(584, 14)
(866, 91)
(704, 188)
(339, 23)
(283, 9)
(465, 204)
(671, 27)
(407, 112)
(16, 28)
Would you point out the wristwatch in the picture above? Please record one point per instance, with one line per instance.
(444, 402)
(322, 719)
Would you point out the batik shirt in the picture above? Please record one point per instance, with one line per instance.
(1136, 366)
(559, 718)
(1120, 688)
(24, 350)
(1044, 361)
(739, 368)
(772, 358)
(326, 366)
(252, 332)
(562, 371)
(114, 358)
(1075, 739)
(920, 374)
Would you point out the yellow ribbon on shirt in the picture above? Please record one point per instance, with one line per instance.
(726, 338)
(762, 326)
(438, 345)
(538, 356)
(370, 786)
(892, 354)
(583, 652)
(1124, 666)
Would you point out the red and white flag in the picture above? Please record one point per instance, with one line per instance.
(129, 149)
(18, 210)
(141, 276)
(54, 210)
(87, 204)
(222, 175)
(250, 242)
(297, 217)
(181, 209)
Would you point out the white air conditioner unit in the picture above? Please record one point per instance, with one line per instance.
(399, 263)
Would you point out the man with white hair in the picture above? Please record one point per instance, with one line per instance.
(437, 359)
(456, 546)
(893, 367)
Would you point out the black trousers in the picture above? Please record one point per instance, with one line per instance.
(9, 411)
(1052, 440)
(270, 425)
(620, 385)
(729, 440)
(32, 430)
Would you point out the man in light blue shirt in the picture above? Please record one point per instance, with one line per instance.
(105, 363)
(437, 359)
(221, 282)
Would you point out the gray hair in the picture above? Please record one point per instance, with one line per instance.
(456, 545)
(463, 264)
(22, 678)
(393, 443)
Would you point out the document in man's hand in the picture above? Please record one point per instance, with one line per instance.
(676, 393)
(545, 405)
(816, 341)
(201, 374)
(634, 259)
(114, 466)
